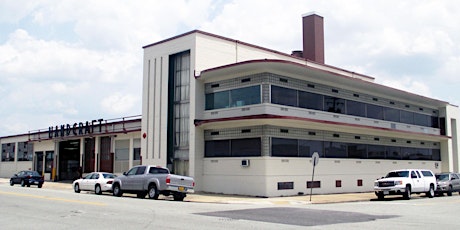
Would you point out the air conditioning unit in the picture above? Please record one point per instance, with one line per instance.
(245, 163)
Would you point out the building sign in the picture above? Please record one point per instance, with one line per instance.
(75, 129)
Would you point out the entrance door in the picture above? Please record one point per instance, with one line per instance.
(89, 156)
(39, 162)
(69, 159)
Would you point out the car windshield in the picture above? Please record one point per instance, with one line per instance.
(32, 173)
(398, 174)
(109, 176)
(442, 177)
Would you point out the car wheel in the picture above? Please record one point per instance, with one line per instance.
(449, 192)
(153, 192)
(76, 188)
(407, 193)
(117, 190)
(23, 183)
(40, 185)
(12, 183)
(430, 192)
(98, 190)
(179, 196)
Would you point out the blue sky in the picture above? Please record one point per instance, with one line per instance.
(70, 61)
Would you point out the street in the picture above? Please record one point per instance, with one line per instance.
(23, 207)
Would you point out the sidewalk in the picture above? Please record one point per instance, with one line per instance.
(231, 199)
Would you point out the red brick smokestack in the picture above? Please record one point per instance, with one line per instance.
(313, 37)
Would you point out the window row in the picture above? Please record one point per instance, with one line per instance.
(284, 147)
(302, 99)
(25, 151)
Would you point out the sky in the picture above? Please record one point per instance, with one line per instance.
(71, 61)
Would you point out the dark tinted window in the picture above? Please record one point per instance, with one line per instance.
(246, 147)
(374, 111)
(422, 120)
(334, 104)
(356, 108)
(284, 96)
(217, 100)
(335, 149)
(407, 117)
(357, 150)
(393, 152)
(218, 148)
(282, 147)
(155, 170)
(308, 147)
(376, 151)
(391, 114)
(310, 100)
(140, 170)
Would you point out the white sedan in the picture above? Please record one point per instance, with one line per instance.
(96, 181)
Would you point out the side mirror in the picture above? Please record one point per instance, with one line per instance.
(125, 174)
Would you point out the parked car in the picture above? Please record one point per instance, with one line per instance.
(447, 183)
(153, 180)
(405, 182)
(96, 181)
(27, 178)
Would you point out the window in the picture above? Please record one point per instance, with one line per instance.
(8, 151)
(137, 149)
(245, 96)
(374, 111)
(335, 149)
(393, 152)
(217, 100)
(233, 148)
(283, 96)
(376, 152)
(218, 148)
(246, 147)
(25, 151)
(357, 150)
(422, 120)
(407, 117)
(391, 114)
(334, 104)
(49, 158)
(308, 147)
(282, 147)
(355, 108)
(310, 100)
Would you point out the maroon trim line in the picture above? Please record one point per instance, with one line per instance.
(270, 116)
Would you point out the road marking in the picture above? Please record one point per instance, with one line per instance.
(54, 198)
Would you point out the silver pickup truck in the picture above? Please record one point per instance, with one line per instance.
(152, 180)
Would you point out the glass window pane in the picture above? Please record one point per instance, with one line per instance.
(245, 96)
(283, 96)
(218, 148)
(282, 147)
(217, 100)
(334, 104)
(391, 114)
(246, 147)
(335, 149)
(374, 111)
(407, 117)
(356, 108)
(376, 152)
(308, 147)
(357, 150)
(422, 120)
(436, 154)
(310, 100)
(393, 152)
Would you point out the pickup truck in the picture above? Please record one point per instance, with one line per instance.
(152, 180)
(405, 182)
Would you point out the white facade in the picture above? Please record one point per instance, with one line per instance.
(221, 61)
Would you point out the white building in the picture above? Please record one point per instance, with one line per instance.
(243, 119)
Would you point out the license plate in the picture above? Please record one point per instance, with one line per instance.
(181, 188)
(386, 192)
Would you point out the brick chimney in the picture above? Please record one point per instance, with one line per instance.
(313, 37)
